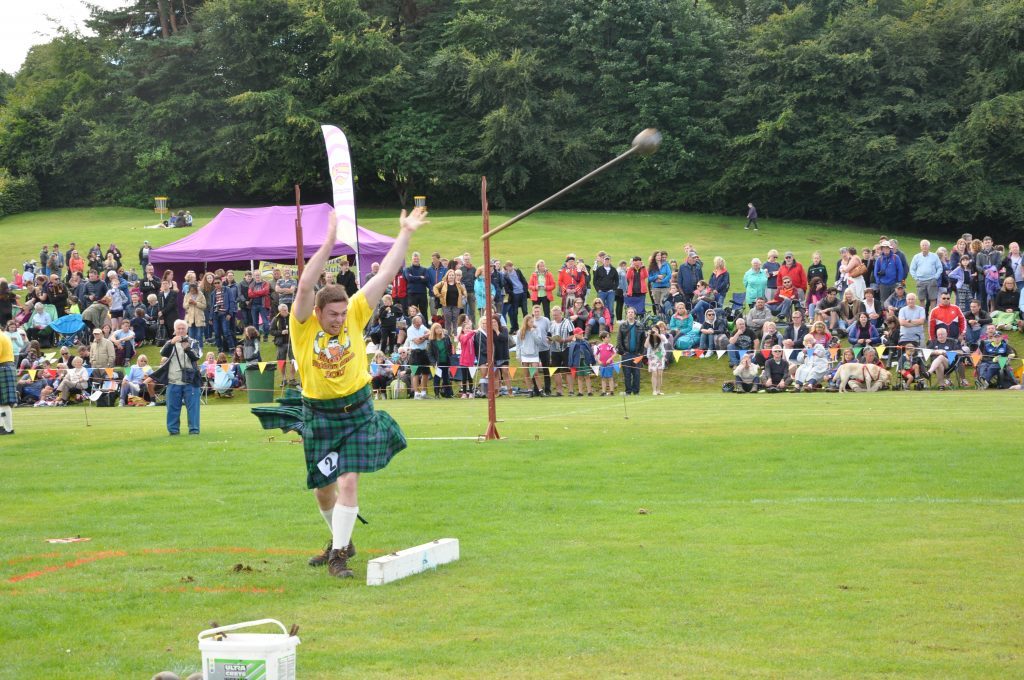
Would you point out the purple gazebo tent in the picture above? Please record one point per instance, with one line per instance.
(238, 236)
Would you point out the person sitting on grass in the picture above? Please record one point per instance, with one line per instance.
(714, 333)
(581, 357)
(814, 369)
(847, 357)
(776, 371)
(827, 310)
(604, 352)
(743, 340)
(134, 382)
(1005, 306)
(223, 377)
(745, 375)
(600, 318)
(681, 328)
(864, 333)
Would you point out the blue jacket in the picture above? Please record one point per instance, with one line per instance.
(230, 300)
(416, 279)
(434, 276)
(719, 283)
(889, 270)
(580, 353)
(688, 277)
(665, 271)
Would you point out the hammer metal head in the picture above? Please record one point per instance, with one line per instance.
(647, 142)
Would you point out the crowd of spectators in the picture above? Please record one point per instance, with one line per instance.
(604, 319)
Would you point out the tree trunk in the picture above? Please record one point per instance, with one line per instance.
(163, 17)
(174, 19)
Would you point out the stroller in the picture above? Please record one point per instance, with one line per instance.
(68, 330)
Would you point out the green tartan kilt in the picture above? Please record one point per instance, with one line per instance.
(8, 384)
(362, 440)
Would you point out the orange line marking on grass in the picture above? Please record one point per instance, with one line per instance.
(248, 590)
(67, 565)
(29, 558)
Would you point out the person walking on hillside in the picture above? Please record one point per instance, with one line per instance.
(751, 216)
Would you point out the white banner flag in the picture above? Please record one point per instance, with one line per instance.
(340, 165)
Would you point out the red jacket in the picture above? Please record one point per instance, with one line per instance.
(947, 315)
(549, 286)
(796, 273)
(260, 289)
(399, 287)
(571, 282)
(633, 272)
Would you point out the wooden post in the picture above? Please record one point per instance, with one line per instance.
(492, 411)
(300, 254)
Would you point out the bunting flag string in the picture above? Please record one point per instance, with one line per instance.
(280, 365)
(857, 350)
(512, 371)
(262, 365)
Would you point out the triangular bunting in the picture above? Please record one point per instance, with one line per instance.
(110, 372)
(677, 354)
(243, 368)
(32, 374)
(453, 370)
(743, 353)
(395, 368)
(699, 353)
(976, 357)
(1002, 362)
(280, 365)
(618, 368)
(951, 356)
(472, 371)
(857, 350)
(720, 353)
(572, 371)
(766, 353)
(533, 371)
(413, 368)
(637, 360)
(261, 365)
(881, 351)
(552, 369)
(832, 352)
(512, 371)
(597, 369)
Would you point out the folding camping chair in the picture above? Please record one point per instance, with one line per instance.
(66, 330)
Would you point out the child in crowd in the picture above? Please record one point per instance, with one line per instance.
(604, 352)
(380, 375)
(581, 357)
(657, 346)
(467, 358)
(911, 366)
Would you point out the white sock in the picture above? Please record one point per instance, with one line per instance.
(6, 418)
(327, 515)
(342, 522)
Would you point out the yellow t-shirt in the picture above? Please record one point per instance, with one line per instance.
(6, 348)
(332, 367)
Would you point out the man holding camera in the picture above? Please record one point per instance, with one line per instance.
(181, 376)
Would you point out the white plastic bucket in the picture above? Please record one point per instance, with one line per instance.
(248, 656)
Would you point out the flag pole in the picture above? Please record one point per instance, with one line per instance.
(300, 254)
(492, 412)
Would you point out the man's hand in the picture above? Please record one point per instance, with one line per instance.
(412, 221)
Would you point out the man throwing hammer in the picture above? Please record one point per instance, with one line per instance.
(341, 433)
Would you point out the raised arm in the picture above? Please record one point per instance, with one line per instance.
(305, 296)
(395, 259)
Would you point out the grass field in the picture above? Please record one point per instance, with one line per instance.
(548, 235)
(797, 536)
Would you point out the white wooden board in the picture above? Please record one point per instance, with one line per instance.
(411, 561)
